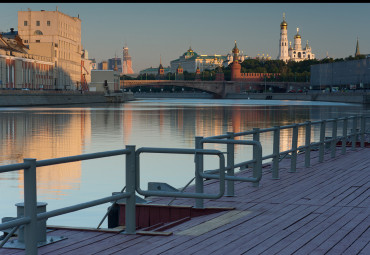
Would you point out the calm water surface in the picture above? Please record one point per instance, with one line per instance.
(50, 132)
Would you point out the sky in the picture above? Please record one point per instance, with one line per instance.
(167, 30)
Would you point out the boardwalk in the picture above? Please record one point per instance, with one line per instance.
(323, 209)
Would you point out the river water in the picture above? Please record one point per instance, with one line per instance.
(59, 131)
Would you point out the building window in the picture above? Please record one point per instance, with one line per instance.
(48, 23)
(38, 23)
(37, 41)
(38, 32)
(25, 23)
(25, 41)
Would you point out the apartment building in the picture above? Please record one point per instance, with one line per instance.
(55, 35)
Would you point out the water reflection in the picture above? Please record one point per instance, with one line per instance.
(50, 132)
(44, 134)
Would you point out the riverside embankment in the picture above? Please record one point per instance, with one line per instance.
(38, 98)
(342, 97)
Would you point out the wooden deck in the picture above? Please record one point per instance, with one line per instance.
(323, 209)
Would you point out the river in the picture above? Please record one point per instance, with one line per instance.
(59, 131)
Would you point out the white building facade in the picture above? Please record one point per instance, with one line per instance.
(289, 53)
(191, 60)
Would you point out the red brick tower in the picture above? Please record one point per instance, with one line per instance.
(235, 67)
(160, 75)
(197, 74)
(180, 73)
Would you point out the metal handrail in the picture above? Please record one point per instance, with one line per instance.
(31, 216)
(221, 175)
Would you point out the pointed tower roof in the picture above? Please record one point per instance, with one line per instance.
(357, 53)
(160, 62)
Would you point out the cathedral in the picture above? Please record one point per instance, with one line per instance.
(295, 53)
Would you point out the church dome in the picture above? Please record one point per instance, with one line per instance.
(283, 24)
(297, 35)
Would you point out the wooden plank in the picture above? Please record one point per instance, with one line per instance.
(73, 237)
(342, 234)
(360, 243)
(323, 221)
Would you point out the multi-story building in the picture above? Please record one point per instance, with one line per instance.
(289, 53)
(127, 63)
(57, 36)
(112, 63)
(20, 70)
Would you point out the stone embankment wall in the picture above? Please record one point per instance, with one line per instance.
(173, 95)
(358, 98)
(35, 98)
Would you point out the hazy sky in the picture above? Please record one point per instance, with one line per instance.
(154, 29)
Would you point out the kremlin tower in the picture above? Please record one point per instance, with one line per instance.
(235, 67)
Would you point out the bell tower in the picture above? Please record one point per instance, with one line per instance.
(283, 42)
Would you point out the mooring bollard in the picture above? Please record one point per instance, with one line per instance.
(41, 224)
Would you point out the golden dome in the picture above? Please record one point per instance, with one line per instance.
(297, 35)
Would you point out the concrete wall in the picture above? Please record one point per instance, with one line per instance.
(99, 76)
(32, 98)
(341, 73)
(348, 97)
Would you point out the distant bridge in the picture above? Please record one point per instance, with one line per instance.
(218, 88)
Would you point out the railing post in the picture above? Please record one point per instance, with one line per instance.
(307, 160)
(256, 137)
(276, 151)
(322, 141)
(293, 165)
(230, 165)
(199, 168)
(354, 132)
(344, 139)
(30, 206)
(363, 127)
(130, 208)
(334, 136)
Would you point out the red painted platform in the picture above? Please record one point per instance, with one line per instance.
(323, 209)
